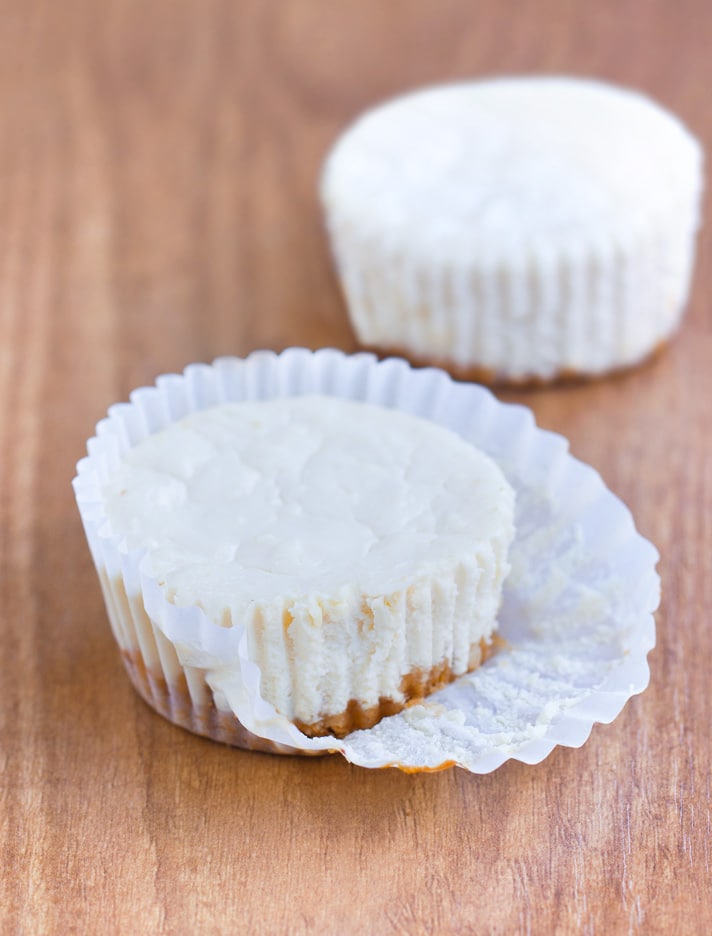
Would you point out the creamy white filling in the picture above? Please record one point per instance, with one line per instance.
(355, 543)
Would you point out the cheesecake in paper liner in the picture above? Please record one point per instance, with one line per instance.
(516, 229)
(576, 620)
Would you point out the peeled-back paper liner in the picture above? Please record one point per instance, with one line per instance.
(577, 609)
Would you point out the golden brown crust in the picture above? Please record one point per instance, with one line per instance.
(173, 701)
(491, 378)
(415, 686)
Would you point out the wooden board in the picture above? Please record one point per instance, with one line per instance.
(158, 164)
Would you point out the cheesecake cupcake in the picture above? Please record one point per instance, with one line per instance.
(516, 229)
(353, 553)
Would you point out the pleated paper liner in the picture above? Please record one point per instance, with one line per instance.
(577, 615)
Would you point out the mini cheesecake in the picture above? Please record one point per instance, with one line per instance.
(362, 549)
(517, 229)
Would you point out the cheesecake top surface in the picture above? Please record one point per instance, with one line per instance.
(304, 497)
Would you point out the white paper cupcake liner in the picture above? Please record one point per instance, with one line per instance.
(592, 309)
(577, 610)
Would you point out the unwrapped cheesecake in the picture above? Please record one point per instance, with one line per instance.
(363, 550)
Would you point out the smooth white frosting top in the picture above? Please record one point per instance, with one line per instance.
(485, 168)
(289, 498)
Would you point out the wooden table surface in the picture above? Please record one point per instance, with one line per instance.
(158, 164)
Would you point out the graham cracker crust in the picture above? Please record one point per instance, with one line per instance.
(414, 686)
(174, 703)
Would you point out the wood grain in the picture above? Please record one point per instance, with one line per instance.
(158, 164)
